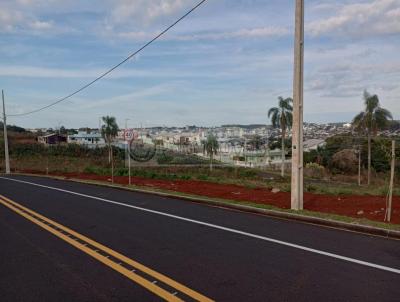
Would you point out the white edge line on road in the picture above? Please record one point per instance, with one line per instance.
(284, 243)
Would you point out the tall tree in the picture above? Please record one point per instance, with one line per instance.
(109, 131)
(63, 130)
(282, 117)
(369, 121)
(211, 148)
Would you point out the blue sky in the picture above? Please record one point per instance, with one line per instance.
(226, 63)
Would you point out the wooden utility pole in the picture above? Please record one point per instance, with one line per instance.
(7, 157)
(390, 195)
(297, 135)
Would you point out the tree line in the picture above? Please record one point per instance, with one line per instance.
(367, 123)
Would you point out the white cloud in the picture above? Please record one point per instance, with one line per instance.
(14, 20)
(137, 35)
(91, 73)
(9, 19)
(356, 67)
(243, 54)
(129, 98)
(41, 72)
(145, 10)
(374, 17)
(259, 32)
(41, 25)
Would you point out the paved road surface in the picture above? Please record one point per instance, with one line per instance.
(54, 237)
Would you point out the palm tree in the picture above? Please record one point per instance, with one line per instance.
(369, 121)
(211, 148)
(109, 131)
(282, 117)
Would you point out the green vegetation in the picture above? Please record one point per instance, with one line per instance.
(282, 117)
(175, 158)
(109, 131)
(329, 155)
(211, 148)
(369, 121)
(12, 128)
(331, 169)
(77, 159)
(71, 150)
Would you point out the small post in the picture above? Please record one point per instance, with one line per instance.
(129, 151)
(359, 165)
(244, 152)
(6, 154)
(129, 162)
(390, 195)
(112, 166)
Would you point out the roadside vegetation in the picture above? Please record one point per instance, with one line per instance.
(369, 121)
(357, 163)
(322, 174)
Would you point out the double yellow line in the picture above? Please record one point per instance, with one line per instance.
(153, 281)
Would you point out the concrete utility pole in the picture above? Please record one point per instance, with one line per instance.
(390, 195)
(297, 135)
(7, 157)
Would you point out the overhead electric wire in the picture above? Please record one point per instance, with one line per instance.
(115, 66)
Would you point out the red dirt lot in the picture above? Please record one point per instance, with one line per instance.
(370, 207)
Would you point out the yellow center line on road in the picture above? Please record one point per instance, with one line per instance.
(55, 228)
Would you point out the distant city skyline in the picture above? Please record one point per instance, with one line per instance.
(226, 63)
(138, 126)
(309, 118)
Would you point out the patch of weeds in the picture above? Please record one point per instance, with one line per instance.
(97, 170)
(122, 172)
(248, 173)
(153, 175)
(202, 177)
(311, 188)
(249, 185)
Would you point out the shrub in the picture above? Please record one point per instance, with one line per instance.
(311, 188)
(345, 161)
(97, 170)
(202, 177)
(314, 170)
(69, 150)
(249, 173)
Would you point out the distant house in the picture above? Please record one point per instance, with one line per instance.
(313, 144)
(52, 139)
(90, 140)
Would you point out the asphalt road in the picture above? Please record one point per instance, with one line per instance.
(213, 253)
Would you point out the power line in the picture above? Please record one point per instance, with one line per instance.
(115, 66)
